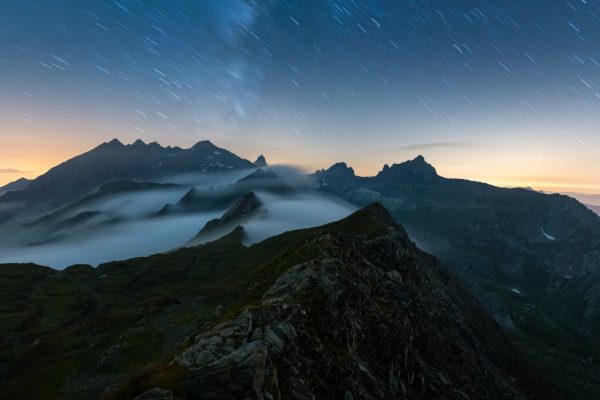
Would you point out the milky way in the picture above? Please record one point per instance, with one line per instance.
(520, 75)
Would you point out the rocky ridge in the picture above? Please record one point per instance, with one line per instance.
(366, 318)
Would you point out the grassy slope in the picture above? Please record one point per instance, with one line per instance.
(61, 331)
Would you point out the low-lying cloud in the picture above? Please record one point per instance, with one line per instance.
(120, 242)
(124, 225)
(296, 212)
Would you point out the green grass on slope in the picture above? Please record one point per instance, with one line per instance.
(74, 333)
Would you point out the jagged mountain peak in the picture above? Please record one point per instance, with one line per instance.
(339, 169)
(112, 144)
(417, 167)
(419, 159)
(261, 161)
(339, 173)
(138, 143)
(203, 145)
(341, 166)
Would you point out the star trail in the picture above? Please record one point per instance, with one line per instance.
(502, 91)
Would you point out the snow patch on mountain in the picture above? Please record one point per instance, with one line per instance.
(547, 236)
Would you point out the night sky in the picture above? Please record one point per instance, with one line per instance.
(502, 91)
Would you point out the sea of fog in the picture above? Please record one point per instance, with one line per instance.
(138, 233)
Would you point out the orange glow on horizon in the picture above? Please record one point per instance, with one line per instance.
(36, 162)
(35, 150)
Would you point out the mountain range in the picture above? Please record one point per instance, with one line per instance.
(111, 161)
(532, 260)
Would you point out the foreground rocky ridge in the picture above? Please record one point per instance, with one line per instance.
(348, 310)
(364, 318)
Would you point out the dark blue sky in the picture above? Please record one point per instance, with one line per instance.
(475, 85)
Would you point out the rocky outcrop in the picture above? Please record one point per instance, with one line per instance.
(244, 209)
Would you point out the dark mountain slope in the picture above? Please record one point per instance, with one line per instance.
(533, 259)
(19, 184)
(348, 310)
(245, 208)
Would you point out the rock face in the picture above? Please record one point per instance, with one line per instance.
(546, 247)
(244, 209)
(366, 318)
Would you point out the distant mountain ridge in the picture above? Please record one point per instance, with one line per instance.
(111, 161)
(19, 184)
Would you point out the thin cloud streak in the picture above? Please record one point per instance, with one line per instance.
(435, 145)
(12, 171)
